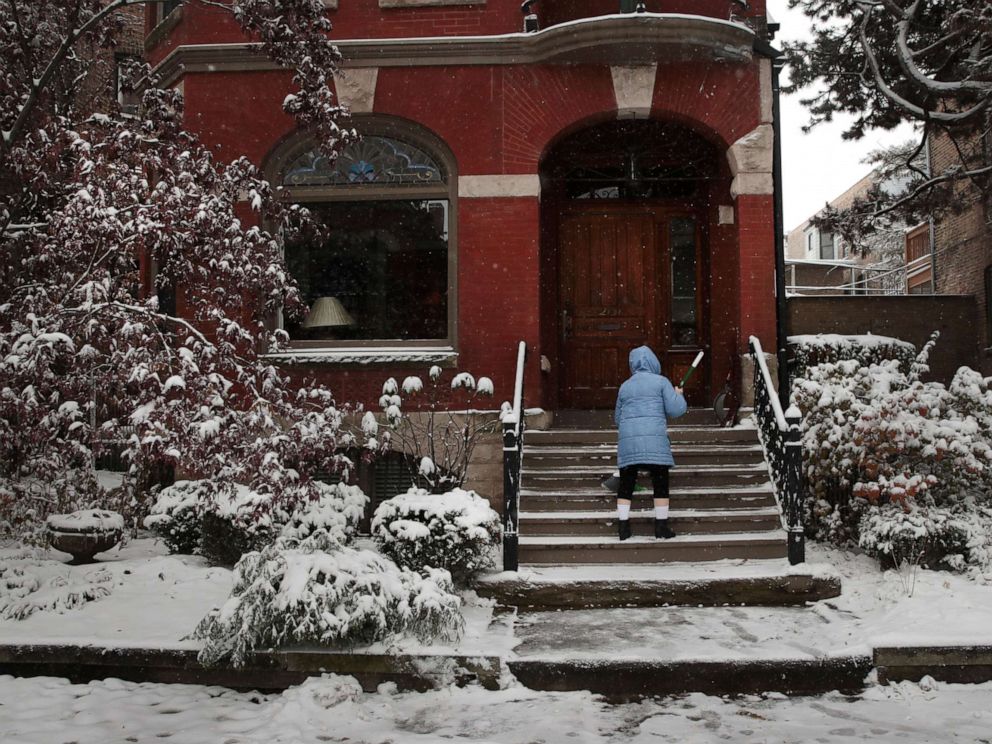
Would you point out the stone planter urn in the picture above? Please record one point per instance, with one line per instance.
(85, 533)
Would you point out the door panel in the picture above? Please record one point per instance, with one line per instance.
(628, 276)
(606, 306)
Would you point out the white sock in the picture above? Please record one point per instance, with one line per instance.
(623, 512)
(661, 512)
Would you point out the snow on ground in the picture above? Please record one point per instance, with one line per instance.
(44, 710)
(911, 606)
(155, 600)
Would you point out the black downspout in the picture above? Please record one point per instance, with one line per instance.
(781, 306)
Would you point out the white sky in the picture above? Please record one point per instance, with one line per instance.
(818, 166)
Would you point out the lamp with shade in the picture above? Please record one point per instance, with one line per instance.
(326, 315)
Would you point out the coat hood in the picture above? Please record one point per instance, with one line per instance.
(642, 359)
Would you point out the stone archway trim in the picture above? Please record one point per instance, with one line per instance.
(633, 87)
(750, 160)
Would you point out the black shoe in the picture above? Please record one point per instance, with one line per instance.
(661, 529)
(624, 525)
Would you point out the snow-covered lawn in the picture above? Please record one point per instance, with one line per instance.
(146, 598)
(45, 710)
(154, 599)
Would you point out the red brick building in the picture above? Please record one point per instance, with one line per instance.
(601, 182)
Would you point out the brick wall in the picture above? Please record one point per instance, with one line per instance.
(963, 243)
(755, 215)
(97, 91)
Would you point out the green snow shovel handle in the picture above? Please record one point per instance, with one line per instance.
(692, 368)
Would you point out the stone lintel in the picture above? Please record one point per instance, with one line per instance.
(506, 186)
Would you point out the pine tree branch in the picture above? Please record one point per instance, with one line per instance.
(916, 75)
(919, 112)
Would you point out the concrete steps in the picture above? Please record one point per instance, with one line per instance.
(683, 476)
(559, 549)
(600, 455)
(599, 499)
(684, 522)
(723, 504)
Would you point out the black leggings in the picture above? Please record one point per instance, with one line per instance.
(628, 477)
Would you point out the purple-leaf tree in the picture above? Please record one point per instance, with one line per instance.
(103, 213)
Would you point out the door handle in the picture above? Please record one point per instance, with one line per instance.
(566, 324)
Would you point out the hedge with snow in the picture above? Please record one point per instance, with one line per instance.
(457, 531)
(899, 467)
(823, 348)
(224, 521)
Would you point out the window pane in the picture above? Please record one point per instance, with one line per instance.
(682, 241)
(827, 246)
(374, 270)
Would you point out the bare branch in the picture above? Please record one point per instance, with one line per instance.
(39, 84)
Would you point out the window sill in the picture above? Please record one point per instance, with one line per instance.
(426, 3)
(444, 356)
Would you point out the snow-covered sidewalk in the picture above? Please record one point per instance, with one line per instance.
(44, 710)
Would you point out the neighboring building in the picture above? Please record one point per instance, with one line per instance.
(919, 260)
(963, 247)
(808, 242)
(816, 276)
(818, 260)
(603, 182)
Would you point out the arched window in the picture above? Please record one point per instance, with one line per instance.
(379, 268)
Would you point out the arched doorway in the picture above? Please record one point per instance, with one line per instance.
(626, 221)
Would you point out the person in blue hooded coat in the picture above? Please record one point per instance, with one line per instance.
(645, 402)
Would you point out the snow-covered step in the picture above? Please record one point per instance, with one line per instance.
(703, 547)
(568, 456)
(588, 476)
(676, 434)
(694, 584)
(598, 498)
(683, 521)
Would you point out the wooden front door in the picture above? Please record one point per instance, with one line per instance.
(628, 276)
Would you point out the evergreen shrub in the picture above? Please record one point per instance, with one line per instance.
(457, 531)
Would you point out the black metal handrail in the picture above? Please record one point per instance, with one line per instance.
(513, 446)
(781, 440)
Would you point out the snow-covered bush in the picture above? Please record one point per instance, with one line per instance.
(457, 531)
(222, 522)
(825, 348)
(317, 591)
(177, 515)
(440, 427)
(897, 535)
(900, 467)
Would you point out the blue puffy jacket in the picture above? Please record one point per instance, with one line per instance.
(644, 404)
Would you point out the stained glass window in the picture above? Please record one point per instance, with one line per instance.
(371, 160)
